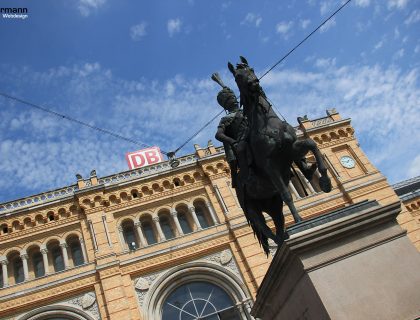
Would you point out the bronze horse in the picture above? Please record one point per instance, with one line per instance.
(273, 147)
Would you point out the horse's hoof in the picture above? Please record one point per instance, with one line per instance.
(297, 218)
(325, 184)
(309, 172)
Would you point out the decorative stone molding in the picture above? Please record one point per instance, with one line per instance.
(88, 300)
(142, 284)
(83, 306)
(225, 257)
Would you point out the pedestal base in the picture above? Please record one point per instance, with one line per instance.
(356, 263)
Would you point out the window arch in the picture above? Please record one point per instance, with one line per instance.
(166, 225)
(184, 222)
(129, 234)
(191, 283)
(76, 253)
(199, 300)
(56, 255)
(148, 230)
(203, 216)
(57, 312)
(17, 265)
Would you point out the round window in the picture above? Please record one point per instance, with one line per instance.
(199, 300)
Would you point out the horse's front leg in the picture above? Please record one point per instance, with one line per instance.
(301, 148)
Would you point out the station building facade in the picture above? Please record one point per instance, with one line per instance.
(167, 243)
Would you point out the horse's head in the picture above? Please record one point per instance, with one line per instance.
(245, 78)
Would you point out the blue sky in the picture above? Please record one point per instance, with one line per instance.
(142, 69)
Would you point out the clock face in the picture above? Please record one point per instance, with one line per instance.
(347, 162)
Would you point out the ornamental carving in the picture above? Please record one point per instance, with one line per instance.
(88, 300)
(225, 257)
(142, 284)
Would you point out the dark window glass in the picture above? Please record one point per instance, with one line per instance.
(165, 224)
(202, 218)
(58, 260)
(130, 237)
(149, 233)
(183, 221)
(76, 253)
(1, 277)
(38, 264)
(199, 300)
(18, 271)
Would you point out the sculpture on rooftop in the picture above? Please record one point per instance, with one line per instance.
(260, 149)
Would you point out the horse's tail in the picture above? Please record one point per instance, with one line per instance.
(255, 218)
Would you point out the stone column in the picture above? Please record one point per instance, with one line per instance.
(4, 263)
(194, 216)
(212, 213)
(82, 245)
(159, 228)
(122, 240)
(308, 184)
(24, 257)
(65, 255)
(294, 191)
(174, 215)
(44, 252)
(143, 241)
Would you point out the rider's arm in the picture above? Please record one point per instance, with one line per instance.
(222, 137)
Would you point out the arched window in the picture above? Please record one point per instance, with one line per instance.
(76, 253)
(165, 224)
(183, 221)
(149, 232)
(202, 217)
(130, 235)
(38, 264)
(57, 257)
(199, 300)
(18, 270)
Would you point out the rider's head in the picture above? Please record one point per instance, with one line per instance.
(227, 99)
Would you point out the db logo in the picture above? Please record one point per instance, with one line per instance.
(143, 157)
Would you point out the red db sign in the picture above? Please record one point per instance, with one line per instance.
(143, 157)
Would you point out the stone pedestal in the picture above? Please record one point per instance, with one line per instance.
(355, 263)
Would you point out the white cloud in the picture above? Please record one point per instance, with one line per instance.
(252, 19)
(399, 4)
(325, 62)
(284, 28)
(138, 31)
(362, 3)
(396, 33)
(382, 102)
(305, 23)
(414, 167)
(330, 23)
(399, 54)
(87, 6)
(325, 7)
(39, 152)
(413, 18)
(174, 26)
(379, 44)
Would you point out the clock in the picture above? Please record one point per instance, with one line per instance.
(347, 162)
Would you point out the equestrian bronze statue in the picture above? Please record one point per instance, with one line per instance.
(260, 149)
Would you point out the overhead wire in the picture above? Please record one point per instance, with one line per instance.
(306, 38)
(82, 123)
(142, 144)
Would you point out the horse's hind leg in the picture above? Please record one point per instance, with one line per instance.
(275, 210)
(278, 182)
(301, 148)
